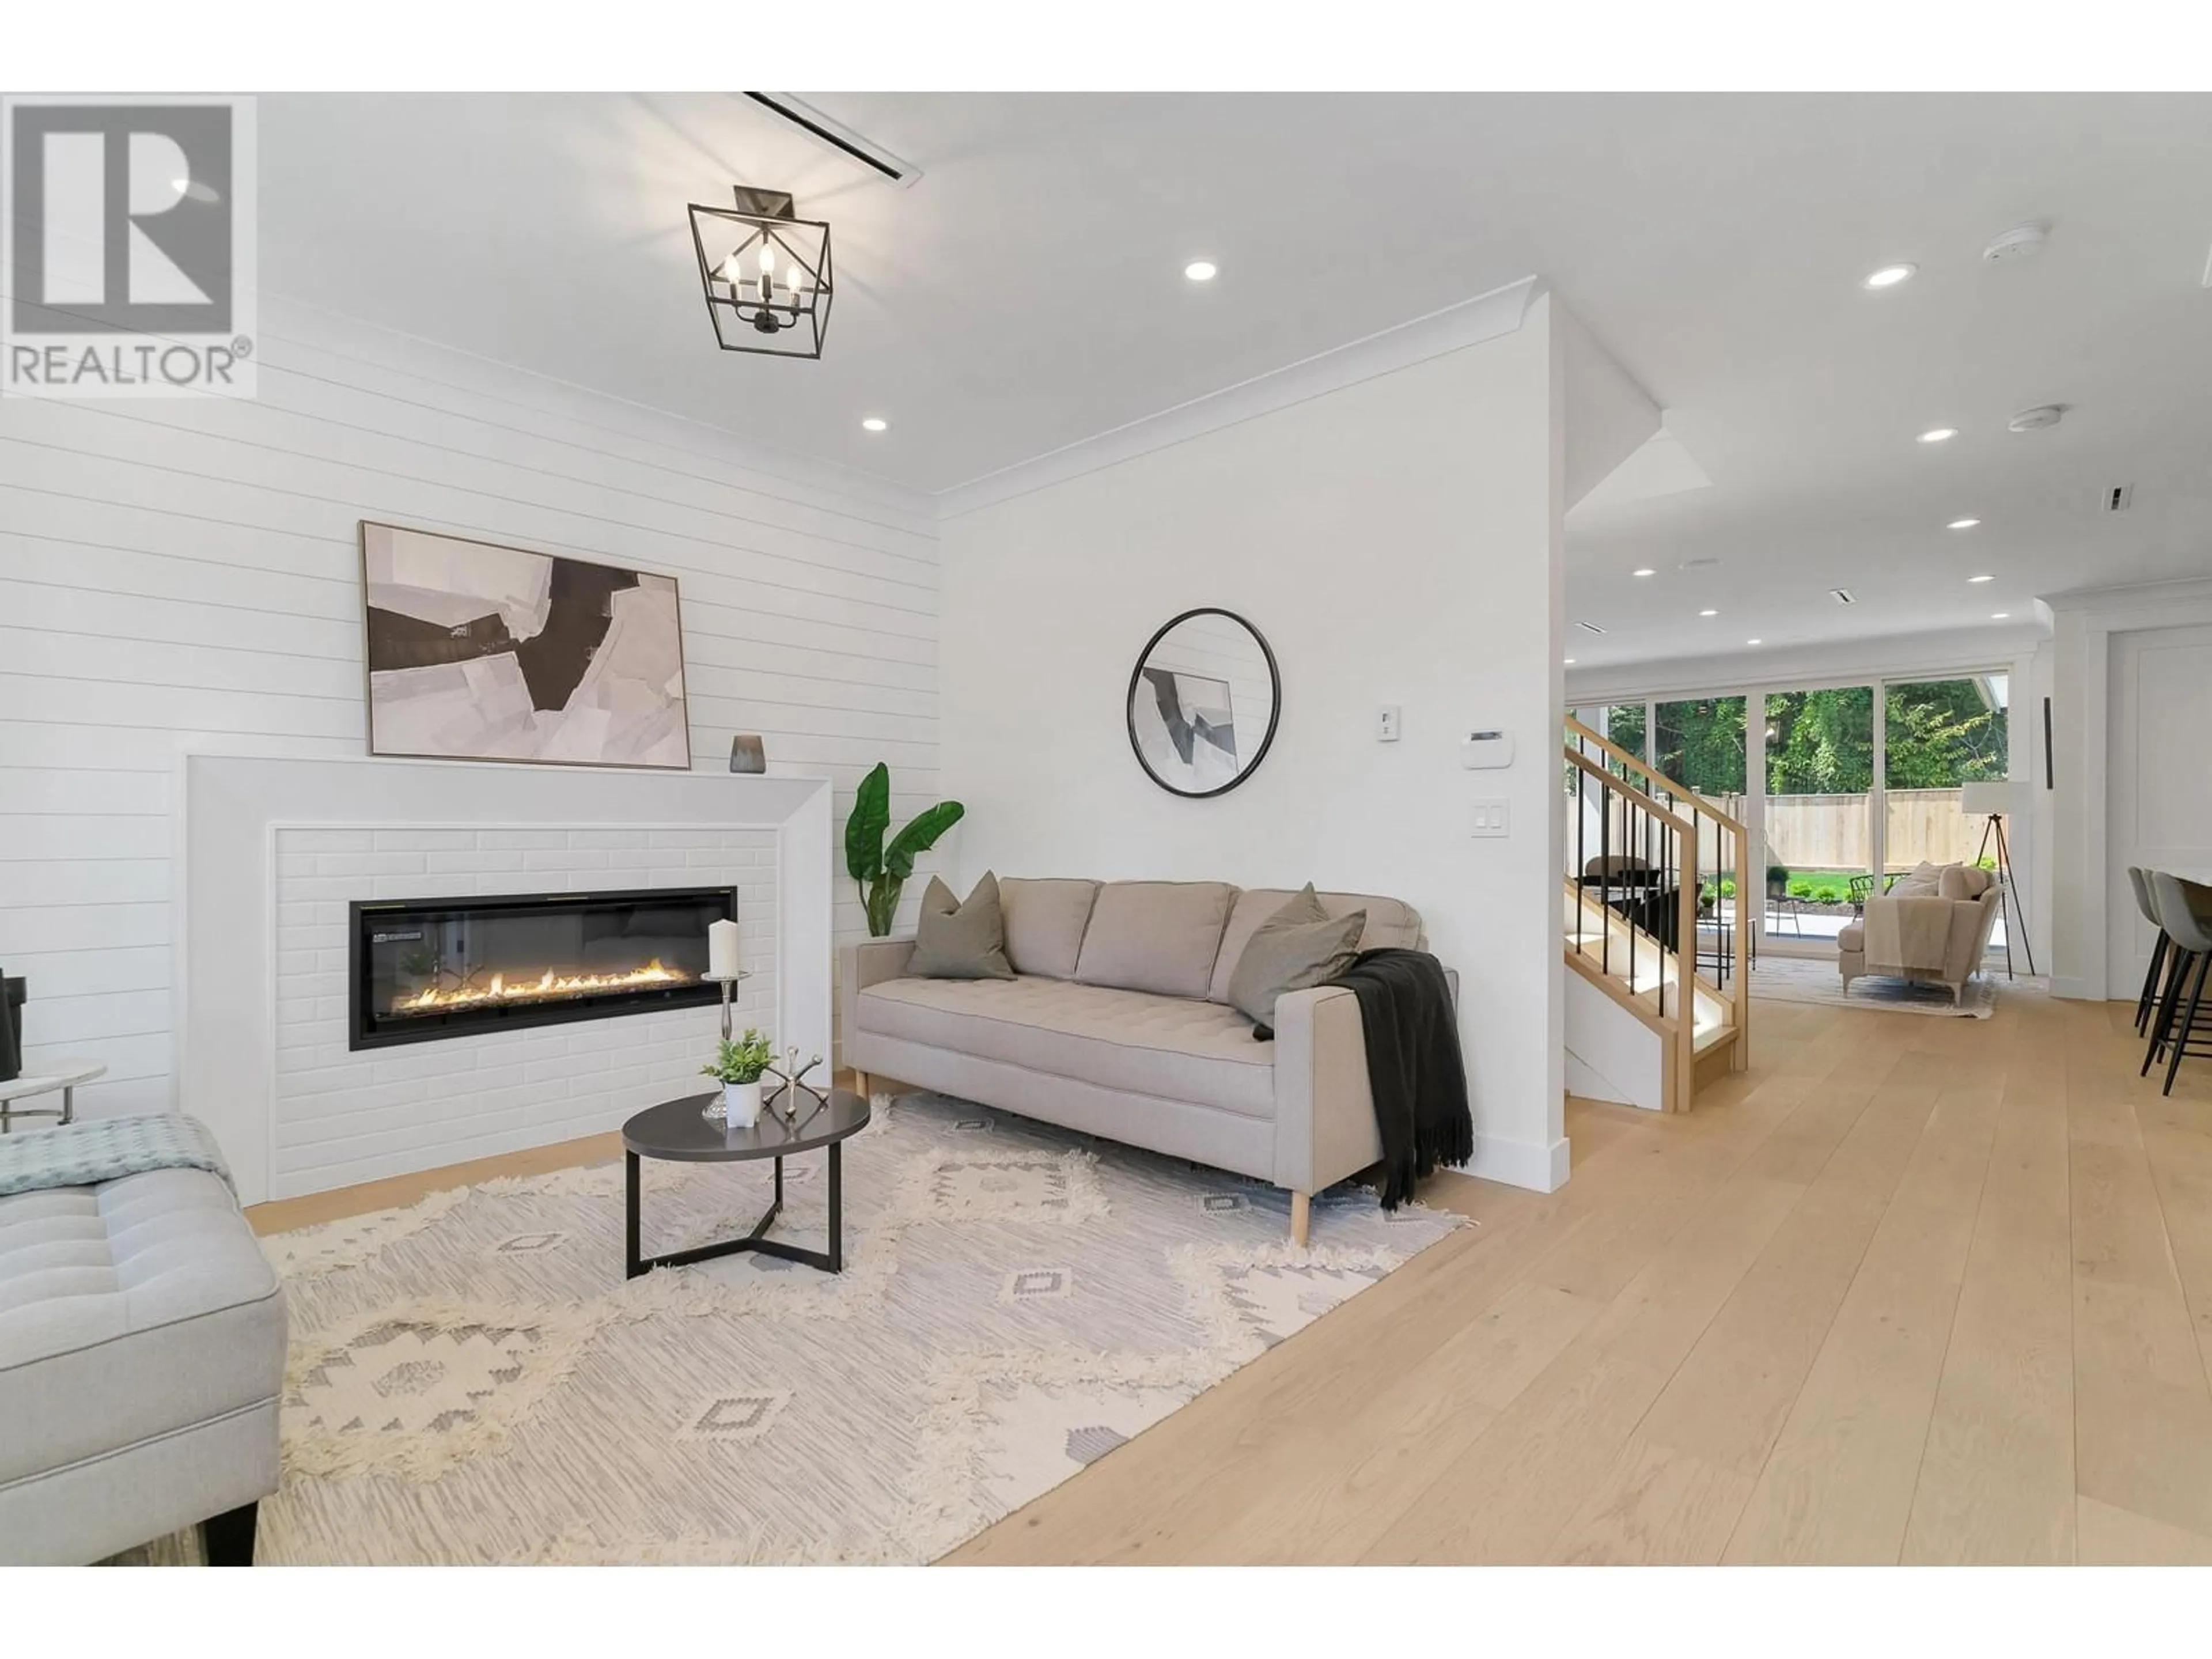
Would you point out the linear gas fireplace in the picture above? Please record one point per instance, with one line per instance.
(423, 969)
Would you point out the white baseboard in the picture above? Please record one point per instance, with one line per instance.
(1528, 1164)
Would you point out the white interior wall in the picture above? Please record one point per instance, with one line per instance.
(1396, 538)
(177, 573)
(2080, 668)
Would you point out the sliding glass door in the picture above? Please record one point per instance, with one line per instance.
(1848, 788)
(1698, 743)
(1819, 809)
(1939, 735)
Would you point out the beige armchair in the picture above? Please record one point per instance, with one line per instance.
(1932, 928)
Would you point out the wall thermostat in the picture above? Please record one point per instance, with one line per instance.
(1482, 751)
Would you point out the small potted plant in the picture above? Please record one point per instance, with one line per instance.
(737, 1066)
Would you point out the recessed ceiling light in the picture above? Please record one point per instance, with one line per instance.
(1570, 662)
(1999, 616)
(875, 423)
(1200, 271)
(1708, 613)
(1981, 578)
(195, 189)
(1962, 523)
(1936, 434)
(1754, 642)
(1890, 276)
(1646, 571)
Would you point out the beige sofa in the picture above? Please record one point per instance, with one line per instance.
(1118, 1024)
(1932, 927)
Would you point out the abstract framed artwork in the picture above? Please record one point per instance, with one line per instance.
(480, 651)
(1203, 703)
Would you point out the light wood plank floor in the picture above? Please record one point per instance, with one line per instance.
(1906, 1290)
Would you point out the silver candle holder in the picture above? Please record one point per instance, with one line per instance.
(713, 1110)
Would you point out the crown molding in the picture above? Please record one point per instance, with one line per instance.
(1469, 322)
(2184, 591)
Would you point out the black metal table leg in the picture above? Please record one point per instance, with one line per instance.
(631, 1266)
(831, 1261)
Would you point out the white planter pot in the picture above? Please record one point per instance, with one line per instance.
(741, 1104)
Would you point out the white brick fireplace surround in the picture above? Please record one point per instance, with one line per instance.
(273, 848)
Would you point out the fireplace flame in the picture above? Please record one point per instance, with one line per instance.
(550, 984)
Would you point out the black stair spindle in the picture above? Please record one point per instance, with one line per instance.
(1605, 866)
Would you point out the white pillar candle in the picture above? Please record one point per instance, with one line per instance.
(722, 950)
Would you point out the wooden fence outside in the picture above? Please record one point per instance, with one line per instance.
(1830, 832)
(1820, 832)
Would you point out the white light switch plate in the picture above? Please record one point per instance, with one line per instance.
(1386, 723)
(1490, 818)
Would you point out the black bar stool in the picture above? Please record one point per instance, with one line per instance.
(2185, 911)
(2140, 880)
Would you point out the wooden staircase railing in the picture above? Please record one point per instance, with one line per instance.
(1651, 864)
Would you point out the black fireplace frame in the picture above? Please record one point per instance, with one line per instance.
(521, 1016)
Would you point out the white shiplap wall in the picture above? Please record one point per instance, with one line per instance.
(174, 572)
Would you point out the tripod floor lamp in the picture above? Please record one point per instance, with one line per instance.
(2000, 800)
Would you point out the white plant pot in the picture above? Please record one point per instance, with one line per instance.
(741, 1104)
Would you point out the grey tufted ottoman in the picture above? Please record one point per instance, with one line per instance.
(142, 1351)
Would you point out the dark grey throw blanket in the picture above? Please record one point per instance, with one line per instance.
(1414, 1066)
(86, 1153)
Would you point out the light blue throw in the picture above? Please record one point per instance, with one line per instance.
(94, 1150)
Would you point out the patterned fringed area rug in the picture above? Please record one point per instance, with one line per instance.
(471, 1379)
(1801, 979)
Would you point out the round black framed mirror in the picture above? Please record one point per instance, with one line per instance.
(1203, 703)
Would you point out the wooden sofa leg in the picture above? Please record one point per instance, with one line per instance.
(1301, 1218)
(861, 1084)
(227, 1539)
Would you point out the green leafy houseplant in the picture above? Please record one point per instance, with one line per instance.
(881, 871)
(739, 1059)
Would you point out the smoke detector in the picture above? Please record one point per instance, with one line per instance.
(2034, 420)
(2011, 247)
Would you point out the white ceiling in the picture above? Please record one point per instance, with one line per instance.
(1027, 293)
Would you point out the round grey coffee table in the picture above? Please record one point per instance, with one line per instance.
(677, 1130)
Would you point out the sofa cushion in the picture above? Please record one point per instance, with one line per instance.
(1172, 1048)
(129, 1309)
(955, 939)
(1298, 947)
(1045, 921)
(1158, 936)
(1389, 924)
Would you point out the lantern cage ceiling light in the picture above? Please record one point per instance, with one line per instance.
(766, 274)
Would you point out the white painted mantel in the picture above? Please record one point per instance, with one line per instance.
(235, 809)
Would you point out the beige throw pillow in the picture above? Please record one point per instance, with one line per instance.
(1922, 881)
(959, 940)
(1296, 948)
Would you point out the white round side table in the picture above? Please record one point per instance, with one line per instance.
(64, 1077)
